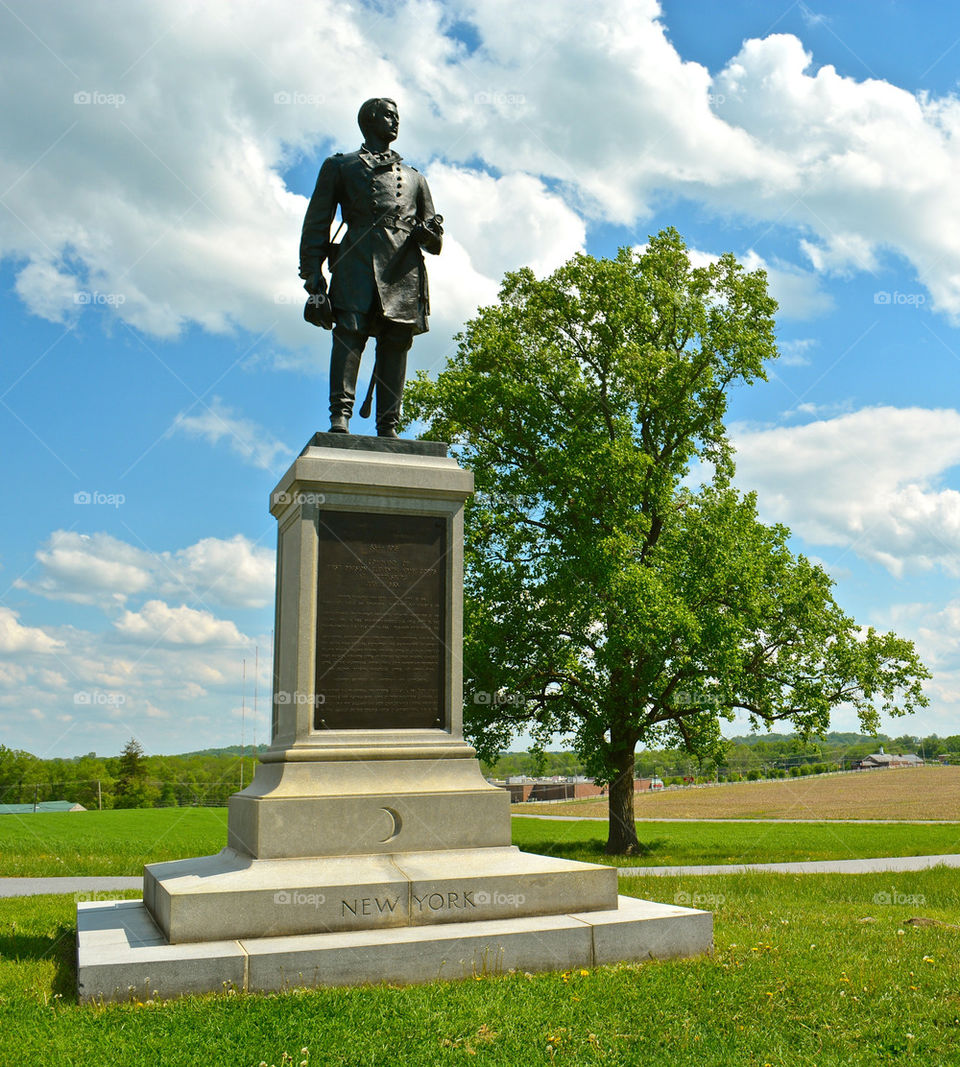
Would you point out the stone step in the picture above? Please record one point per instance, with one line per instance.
(233, 896)
(122, 955)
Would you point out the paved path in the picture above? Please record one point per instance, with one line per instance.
(694, 818)
(868, 866)
(23, 887)
(27, 887)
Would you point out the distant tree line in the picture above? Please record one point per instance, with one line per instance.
(129, 780)
(747, 758)
(207, 778)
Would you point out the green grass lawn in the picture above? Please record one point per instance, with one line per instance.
(798, 977)
(106, 842)
(121, 842)
(676, 844)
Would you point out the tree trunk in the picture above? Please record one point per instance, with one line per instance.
(622, 834)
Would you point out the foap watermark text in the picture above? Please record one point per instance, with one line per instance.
(896, 298)
(111, 500)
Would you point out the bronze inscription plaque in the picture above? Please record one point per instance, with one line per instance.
(380, 621)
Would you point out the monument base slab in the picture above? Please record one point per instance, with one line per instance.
(122, 955)
(233, 896)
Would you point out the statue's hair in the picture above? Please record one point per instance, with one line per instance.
(369, 110)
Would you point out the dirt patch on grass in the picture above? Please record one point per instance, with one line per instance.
(903, 793)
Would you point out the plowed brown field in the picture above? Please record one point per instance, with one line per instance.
(931, 792)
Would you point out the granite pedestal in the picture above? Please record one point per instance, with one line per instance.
(368, 847)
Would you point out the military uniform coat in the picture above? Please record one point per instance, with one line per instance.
(378, 265)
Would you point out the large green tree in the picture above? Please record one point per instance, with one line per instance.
(607, 595)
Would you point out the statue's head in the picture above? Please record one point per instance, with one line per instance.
(378, 119)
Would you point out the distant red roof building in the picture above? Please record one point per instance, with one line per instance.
(881, 759)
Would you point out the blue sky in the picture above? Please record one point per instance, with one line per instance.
(156, 378)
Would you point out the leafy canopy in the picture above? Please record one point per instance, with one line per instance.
(606, 596)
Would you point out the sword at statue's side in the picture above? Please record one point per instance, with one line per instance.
(365, 407)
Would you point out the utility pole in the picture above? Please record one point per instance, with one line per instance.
(243, 716)
(99, 797)
(36, 798)
(256, 679)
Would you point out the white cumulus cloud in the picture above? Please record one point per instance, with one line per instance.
(100, 569)
(16, 638)
(871, 480)
(159, 622)
(148, 167)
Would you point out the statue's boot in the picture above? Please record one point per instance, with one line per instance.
(391, 375)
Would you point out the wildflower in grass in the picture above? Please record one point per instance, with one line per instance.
(556, 1039)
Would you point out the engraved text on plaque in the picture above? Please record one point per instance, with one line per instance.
(380, 621)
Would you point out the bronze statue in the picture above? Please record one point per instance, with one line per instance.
(379, 281)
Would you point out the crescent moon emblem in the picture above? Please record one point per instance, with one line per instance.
(396, 822)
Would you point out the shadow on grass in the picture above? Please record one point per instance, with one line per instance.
(60, 947)
(591, 850)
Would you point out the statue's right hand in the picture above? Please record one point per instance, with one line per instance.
(315, 283)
